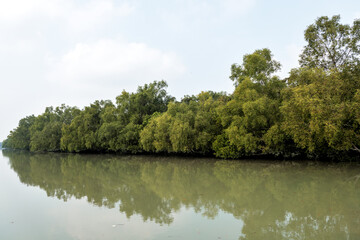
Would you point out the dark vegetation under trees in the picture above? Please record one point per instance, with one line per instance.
(314, 112)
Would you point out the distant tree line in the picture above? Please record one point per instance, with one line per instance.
(314, 112)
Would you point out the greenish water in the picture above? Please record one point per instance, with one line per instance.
(65, 196)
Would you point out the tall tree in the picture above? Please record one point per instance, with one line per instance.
(121, 124)
(321, 112)
(189, 126)
(82, 133)
(19, 138)
(331, 44)
(46, 130)
(253, 109)
(257, 66)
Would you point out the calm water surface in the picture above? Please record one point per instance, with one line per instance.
(65, 196)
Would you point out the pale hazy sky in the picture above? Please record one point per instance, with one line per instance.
(77, 51)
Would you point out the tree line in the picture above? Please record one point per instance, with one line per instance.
(314, 112)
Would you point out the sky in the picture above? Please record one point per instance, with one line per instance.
(77, 51)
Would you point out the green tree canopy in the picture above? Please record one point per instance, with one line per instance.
(82, 133)
(121, 124)
(253, 109)
(331, 44)
(19, 138)
(315, 110)
(46, 130)
(257, 66)
(189, 126)
(320, 114)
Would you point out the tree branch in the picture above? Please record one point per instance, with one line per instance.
(355, 148)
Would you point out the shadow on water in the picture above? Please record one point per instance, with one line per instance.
(276, 200)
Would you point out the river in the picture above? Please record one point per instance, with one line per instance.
(72, 196)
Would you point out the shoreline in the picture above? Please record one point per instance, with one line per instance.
(254, 158)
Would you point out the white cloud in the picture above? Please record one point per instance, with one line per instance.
(15, 10)
(81, 15)
(95, 13)
(20, 46)
(114, 63)
(220, 6)
(237, 6)
(187, 14)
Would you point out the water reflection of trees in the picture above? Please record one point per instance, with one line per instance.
(275, 201)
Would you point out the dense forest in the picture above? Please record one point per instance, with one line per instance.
(315, 112)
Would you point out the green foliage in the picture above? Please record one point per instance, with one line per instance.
(315, 111)
(223, 148)
(208, 121)
(46, 130)
(135, 107)
(107, 127)
(320, 113)
(122, 124)
(82, 133)
(189, 126)
(257, 66)
(253, 109)
(331, 44)
(19, 138)
(173, 131)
